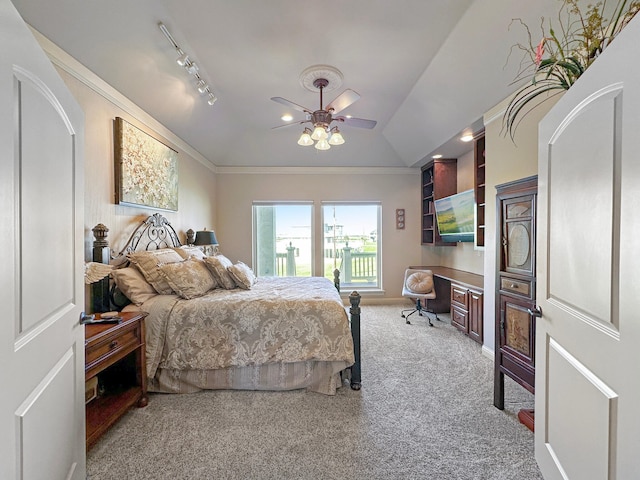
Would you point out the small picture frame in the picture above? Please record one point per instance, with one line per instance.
(400, 222)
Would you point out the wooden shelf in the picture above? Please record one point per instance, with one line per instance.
(479, 186)
(102, 412)
(439, 179)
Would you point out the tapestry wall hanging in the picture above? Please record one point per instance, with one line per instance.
(146, 170)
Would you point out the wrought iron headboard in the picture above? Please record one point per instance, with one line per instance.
(151, 234)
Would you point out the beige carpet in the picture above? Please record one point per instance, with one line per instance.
(425, 411)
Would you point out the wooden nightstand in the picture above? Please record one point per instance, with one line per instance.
(115, 354)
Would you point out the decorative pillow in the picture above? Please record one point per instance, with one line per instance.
(133, 285)
(218, 265)
(420, 282)
(188, 279)
(186, 251)
(243, 275)
(147, 262)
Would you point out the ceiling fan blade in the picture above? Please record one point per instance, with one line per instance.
(289, 103)
(342, 101)
(290, 124)
(357, 122)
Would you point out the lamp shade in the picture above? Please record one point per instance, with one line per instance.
(206, 237)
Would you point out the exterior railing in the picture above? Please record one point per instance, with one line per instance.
(286, 262)
(354, 266)
(358, 265)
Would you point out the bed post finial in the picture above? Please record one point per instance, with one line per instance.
(100, 233)
(336, 279)
(191, 237)
(101, 254)
(354, 299)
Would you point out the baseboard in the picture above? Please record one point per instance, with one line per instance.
(372, 300)
(487, 352)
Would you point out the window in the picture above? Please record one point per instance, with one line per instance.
(282, 239)
(351, 243)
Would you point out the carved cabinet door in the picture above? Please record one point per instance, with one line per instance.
(515, 296)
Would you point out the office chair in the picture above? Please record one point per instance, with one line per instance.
(418, 285)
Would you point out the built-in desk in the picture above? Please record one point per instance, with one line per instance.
(462, 294)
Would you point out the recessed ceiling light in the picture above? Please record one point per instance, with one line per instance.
(437, 155)
(467, 137)
(287, 118)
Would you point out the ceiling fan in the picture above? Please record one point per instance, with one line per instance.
(320, 78)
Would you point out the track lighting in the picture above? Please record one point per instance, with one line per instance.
(182, 59)
(190, 66)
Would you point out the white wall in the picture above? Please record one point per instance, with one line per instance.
(393, 187)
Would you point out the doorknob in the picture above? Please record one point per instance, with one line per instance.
(535, 311)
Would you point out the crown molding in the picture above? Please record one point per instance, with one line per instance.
(318, 170)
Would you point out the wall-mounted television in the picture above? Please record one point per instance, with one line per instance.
(456, 217)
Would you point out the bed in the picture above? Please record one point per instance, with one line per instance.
(212, 324)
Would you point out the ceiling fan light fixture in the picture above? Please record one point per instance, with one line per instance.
(323, 144)
(305, 138)
(319, 133)
(336, 137)
(324, 78)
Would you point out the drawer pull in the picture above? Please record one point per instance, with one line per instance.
(513, 285)
(113, 344)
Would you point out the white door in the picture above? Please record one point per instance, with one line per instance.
(587, 425)
(41, 264)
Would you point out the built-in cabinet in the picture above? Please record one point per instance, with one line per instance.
(467, 311)
(439, 179)
(479, 187)
(516, 286)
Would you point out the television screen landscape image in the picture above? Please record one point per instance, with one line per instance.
(456, 217)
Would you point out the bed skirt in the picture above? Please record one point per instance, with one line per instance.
(321, 377)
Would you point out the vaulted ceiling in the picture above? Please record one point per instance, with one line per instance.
(426, 70)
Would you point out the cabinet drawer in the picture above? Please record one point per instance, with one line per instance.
(522, 287)
(459, 297)
(460, 319)
(112, 346)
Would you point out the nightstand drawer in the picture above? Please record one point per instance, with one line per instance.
(112, 346)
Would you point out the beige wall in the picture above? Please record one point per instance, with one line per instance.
(394, 188)
(101, 104)
(506, 161)
(196, 197)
